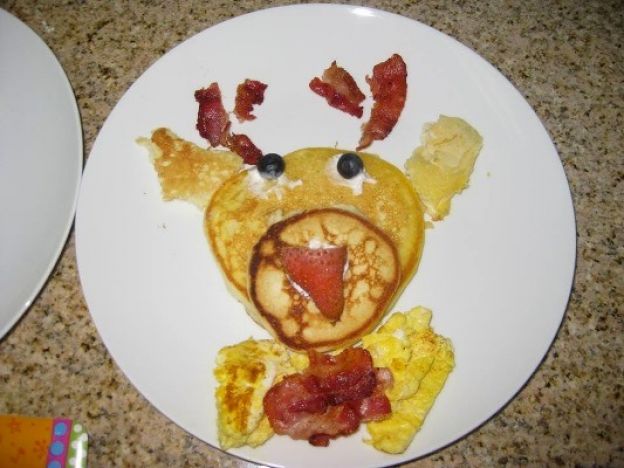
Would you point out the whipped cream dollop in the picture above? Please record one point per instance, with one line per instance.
(263, 188)
(355, 183)
(315, 243)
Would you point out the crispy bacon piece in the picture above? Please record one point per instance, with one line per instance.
(339, 89)
(346, 377)
(213, 124)
(377, 406)
(330, 398)
(212, 120)
(295, 408)
(244, 147)
(248, 93)
(389, 88)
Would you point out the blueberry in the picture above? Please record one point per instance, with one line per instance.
(350, 165)
(271, 166)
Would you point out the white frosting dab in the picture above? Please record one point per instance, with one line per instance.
(319, 244)
(355, 183)
(263, 188)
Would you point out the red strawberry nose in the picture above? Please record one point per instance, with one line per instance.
(319, 272)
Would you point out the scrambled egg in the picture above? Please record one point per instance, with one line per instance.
(441, 166)
(245, 372)
(420, 362)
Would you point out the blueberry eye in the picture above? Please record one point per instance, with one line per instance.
(350, 165)
(271, 166)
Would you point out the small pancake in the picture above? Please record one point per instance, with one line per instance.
(239, 214)
(371, 278)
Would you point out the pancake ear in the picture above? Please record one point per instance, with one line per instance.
(186, 171)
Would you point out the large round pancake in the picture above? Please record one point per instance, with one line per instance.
(371, 278)
(237, 217)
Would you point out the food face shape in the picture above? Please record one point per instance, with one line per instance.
(317, 246)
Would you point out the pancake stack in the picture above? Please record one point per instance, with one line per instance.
(307, 206)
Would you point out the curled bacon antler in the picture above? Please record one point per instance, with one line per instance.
(214, 124)
(212, 120)
(244, 147)
(248, 93)
(339, 89)
(389, 88)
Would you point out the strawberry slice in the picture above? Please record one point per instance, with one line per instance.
(319, 273)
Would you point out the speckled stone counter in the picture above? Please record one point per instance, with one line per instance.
(566, 57)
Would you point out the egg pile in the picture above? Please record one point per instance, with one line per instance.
(419, 360)
(245, 372)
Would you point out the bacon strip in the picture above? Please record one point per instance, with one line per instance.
(244, 147)
(389, 88)
(329, 399)
(248, 93)
(377, 406)
(212, 120)
(339, 89)
(213, 124)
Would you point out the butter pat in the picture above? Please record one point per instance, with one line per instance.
(440, 168)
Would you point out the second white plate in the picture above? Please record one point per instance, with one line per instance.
(40, 165)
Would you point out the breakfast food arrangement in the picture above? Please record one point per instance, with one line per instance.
(318, 245)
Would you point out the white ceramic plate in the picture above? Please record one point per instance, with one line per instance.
(40, 165)
(497, 273)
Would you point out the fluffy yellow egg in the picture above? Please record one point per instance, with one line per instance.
(244, 373)
(420, 361)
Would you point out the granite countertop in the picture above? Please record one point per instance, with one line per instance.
(567, 59)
